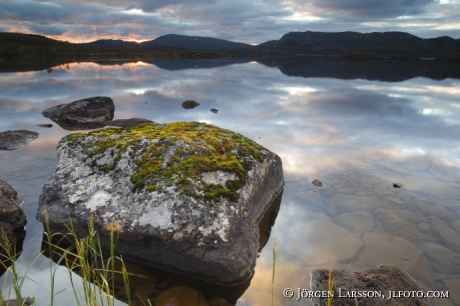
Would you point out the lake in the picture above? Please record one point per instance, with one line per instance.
(359, 127)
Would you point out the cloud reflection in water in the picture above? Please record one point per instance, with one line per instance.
(345, 132)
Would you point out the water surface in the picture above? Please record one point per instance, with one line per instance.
(358, 134)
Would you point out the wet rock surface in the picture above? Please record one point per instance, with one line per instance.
(12, 223)
(448, 234)
(414, 228)
(391, 250)
(358, 222)
(443, 260)
(12, 218)
(181, 295)
(185, 195)
(92, 112)
(398, 226)
(384, 278)
(11, 140)
(189, 104)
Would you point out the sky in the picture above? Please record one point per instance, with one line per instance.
(252, 22)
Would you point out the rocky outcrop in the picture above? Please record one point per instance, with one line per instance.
(384, 280)
(89, 113)
(11, 140)
(12, 222)
(12, 218)
(185, 195)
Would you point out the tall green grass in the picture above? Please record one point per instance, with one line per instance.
(275, 256)
(83, 256)
(8, 255)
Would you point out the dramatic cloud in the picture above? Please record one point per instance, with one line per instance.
(368, 8)
(245, 21)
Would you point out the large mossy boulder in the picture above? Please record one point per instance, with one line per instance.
(185, 196)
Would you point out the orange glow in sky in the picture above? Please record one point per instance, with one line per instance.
(84, 38)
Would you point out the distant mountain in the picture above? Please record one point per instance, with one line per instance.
(113, 44)
(349, 44)
(386, 44)
(195, 43)
(174, 41)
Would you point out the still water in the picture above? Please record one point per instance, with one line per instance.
(358, 131)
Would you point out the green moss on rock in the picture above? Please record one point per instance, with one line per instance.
(176, 154)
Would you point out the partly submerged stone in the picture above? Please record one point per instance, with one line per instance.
(11, 140)
(12, 218)
(186, 195)
(189, 104)
(89, 113)
(379, 286)
(12, 223)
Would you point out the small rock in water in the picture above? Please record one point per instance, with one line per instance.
(11, 140)
(84, 111)
(47, 125)
(214, 110)
(145, 102)
(397, 185)
(317, 182)
(189, 104)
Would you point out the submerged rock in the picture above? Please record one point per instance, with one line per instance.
(186, 195)
(189, 104)
(90, 113)
(11, 140)
(329, 243)
(317, 182)
(181, 296)
(387, 280)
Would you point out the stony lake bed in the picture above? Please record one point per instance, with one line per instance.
(359, 136)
